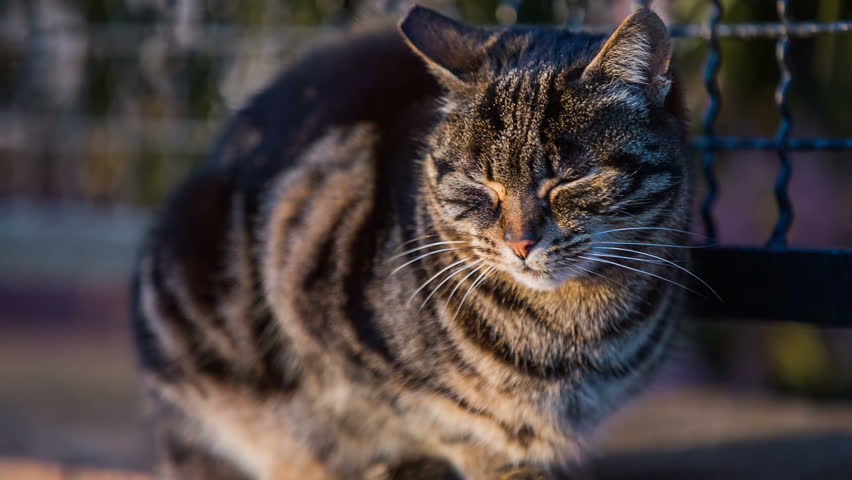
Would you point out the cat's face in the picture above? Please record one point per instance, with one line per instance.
(548, 140)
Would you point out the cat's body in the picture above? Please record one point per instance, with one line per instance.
(278, 304)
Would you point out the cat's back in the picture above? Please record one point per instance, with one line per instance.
(359, 103)
(368, 78)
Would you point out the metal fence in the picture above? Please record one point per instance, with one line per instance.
(774, 282)
(131, 147)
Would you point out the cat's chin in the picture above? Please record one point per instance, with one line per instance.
(541, 281)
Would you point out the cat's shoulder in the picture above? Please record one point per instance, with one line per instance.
(366, 76)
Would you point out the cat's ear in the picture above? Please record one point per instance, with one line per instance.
(450, 48)
(638, 53)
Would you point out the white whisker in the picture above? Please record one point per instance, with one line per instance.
(569, 267)
(642, 272)
(670, 263)
(574, 265)
(433, 277)
(651, 244)
(417, 239)
(424, 256)
(482, 276)
(421, 247)
(450, 276)
(459, 284)
(643, 260)
(650, 228)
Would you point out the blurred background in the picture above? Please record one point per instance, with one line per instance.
(106, 104)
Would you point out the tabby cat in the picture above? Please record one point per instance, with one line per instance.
(442, 242)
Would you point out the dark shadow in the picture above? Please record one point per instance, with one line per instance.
(826, 456)
(423, 469)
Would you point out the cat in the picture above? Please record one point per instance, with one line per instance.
(438, 242)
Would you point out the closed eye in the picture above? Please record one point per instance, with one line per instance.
(553, 185)
(497, 191)
(548, 185)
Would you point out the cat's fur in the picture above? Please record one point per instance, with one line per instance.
(279, 337)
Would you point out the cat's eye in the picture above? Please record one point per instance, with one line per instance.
(547, 186)
(552, 186)
(497, 191)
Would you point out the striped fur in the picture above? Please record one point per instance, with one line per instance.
(331, 295)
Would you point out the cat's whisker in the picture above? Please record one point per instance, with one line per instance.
(433, 277)
(397, 269)
(651, 244)
(612, 255)
(433, 235)
(574, 268)
(649, 228)
(670, 263)
(573, 264)
(482, 276)
(642, 272)
(417, 239)
(571, 267)
(623, 213)
(421, 247)
(596, 273)
(461, 282)
(447, 279)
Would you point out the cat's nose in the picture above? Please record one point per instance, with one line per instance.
(521, 247)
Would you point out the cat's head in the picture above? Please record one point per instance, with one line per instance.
(548, 138)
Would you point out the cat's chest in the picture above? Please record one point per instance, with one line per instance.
(513, 423)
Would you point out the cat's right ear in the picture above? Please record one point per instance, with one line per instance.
(450, 48)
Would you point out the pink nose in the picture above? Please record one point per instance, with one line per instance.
(521, 247)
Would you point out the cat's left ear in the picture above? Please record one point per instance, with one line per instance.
(450, 48)
(638, 53)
